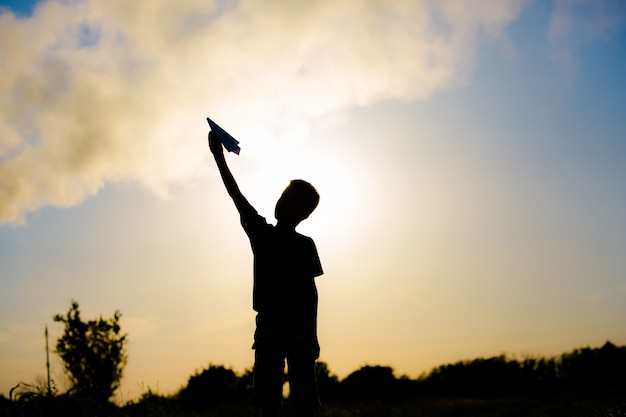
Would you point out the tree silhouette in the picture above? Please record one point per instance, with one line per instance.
(93, 353)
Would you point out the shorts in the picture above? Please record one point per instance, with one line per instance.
(274, 342)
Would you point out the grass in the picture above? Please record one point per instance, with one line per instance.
(157, 406)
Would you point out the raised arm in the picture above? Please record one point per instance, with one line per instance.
(243, 206)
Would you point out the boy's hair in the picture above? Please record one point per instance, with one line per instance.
(307, 195)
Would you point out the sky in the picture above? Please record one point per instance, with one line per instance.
(470, 156)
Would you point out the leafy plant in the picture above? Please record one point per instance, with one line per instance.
(93, 353)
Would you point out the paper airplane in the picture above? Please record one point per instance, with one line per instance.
(230, 143)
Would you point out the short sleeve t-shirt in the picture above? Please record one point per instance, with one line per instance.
(285, 265)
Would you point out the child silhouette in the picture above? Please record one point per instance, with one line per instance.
(284, 294)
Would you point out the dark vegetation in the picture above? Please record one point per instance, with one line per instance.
(93, 353)
(585, 382)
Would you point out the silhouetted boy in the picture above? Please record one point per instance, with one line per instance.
(284, 294)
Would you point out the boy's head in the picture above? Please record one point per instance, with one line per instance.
(296, 203)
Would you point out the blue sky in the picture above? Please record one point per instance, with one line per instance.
(20, 7)
(470, 156)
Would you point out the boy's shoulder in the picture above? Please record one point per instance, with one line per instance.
(305, 239)
(293, 236)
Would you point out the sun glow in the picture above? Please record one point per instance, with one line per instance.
(263, 182)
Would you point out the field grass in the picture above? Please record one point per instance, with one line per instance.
(156, 406)
(456, 407)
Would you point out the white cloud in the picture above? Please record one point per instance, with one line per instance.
(96, 91)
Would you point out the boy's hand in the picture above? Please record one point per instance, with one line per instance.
(215, 145)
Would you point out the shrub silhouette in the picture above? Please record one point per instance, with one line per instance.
(214, 385)
(589, 370)
(93, 353)
(327, 383)
(370, 383)
(594, 369)
(539, 376)
(492, 377)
